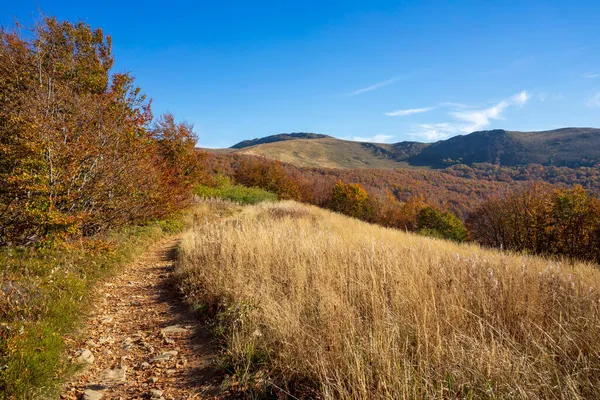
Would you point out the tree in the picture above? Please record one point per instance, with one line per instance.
(76, 152)
(541, 219)
(268, 175)
(176, 143)
(445, 225)
(351, 199)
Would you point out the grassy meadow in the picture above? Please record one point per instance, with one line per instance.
(324, 306)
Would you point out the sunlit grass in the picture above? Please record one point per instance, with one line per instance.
(332, 307)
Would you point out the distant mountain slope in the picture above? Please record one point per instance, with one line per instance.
(334, 153)
(571, 147)
(278, 138)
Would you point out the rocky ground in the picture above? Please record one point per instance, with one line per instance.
(141, 341)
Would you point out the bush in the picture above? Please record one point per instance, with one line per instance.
(352, 200)
(444, 225)
(77, 152)
(237, 193)
(268, 175)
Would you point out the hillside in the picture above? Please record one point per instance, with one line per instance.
(330, 307)
(570, 147)
(278, 138)
(329, 152)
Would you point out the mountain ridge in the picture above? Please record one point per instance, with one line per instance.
(571, 147)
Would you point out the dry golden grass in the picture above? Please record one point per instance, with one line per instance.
(357, 311)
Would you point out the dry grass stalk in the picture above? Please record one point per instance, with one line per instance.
(364, 312)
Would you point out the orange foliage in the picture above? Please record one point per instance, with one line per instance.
(77, 154)
(543, 220)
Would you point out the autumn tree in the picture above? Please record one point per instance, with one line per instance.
(176, 144)
(445, 225)
(76, 151)
(351, 199)
(541, 219)
(267, 175)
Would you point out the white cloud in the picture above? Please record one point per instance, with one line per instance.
(521, 98)
(478, 119)
(435, 132)
(593, 101)
(376, 86)
(380, 138)
(591, 76)
(471, 120)
(410, 111)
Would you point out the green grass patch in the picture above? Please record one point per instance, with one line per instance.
(43, 294)
(236, 193)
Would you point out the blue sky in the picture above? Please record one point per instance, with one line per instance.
(363, 70)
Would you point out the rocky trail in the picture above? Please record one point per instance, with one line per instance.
(142, 342)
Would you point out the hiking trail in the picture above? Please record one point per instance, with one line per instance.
(141, 341)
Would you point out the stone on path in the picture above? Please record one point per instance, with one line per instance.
(156, 394)
(85, 357)
(173, 329)
(113, 376)
(90, 394)
(166, 356)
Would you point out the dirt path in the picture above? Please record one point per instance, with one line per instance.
(142, 342)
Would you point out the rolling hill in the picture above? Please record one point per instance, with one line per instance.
(570, 147)
(335, 153)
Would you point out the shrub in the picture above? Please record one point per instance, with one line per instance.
(351, 199)
(267, 175)
(444, 225)
(236, 193)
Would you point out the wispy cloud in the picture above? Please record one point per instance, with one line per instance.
(591, 76)
(376, 86)
(466, 121)
(410, 111)
(478, 119)
(379, 138)
(593, 101)
(435, 132)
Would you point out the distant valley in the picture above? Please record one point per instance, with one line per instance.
(566, 147)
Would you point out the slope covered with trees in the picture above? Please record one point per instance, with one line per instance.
(497, 203)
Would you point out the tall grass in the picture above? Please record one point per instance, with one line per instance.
(331, 307)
